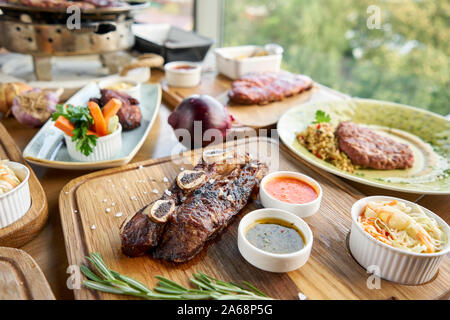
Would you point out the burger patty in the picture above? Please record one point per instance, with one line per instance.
(371, 150)
(265, 87)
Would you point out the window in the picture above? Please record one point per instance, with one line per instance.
(175, 12)
(404, 59)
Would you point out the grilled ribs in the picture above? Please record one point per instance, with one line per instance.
(207, 213)
(228, 184)
(265, 87)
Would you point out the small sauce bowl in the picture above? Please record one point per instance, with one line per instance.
(182, 74)
(130, 87)
(274, 262)
(300, 209)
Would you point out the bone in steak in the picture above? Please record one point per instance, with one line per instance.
(142, 232)
(266, 87)
(207, 212)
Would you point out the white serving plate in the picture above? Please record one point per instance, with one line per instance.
(48, 150)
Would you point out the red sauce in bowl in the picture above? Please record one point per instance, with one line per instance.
(183, 67)
(291, 190)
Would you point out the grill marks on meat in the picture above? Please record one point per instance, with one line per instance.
(226, 190)
(207, 213)
(129, 114)
(140, 233)
(263, 88)
(371, 150)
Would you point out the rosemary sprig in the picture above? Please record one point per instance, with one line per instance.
(110, 281)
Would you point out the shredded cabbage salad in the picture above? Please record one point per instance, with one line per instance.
(398, 225)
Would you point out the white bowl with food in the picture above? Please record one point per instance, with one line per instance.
(130, 87)
(15, 198)
(234, 62)
(107, 147)
(404, 241)
(274, 240)
(182, 74)
(291, 191)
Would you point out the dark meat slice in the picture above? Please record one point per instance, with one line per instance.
(371, 150)
(140, 233)
(129, 114)
(266, 87)
(207, 212)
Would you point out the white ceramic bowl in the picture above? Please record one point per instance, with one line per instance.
(182, 77)
(228, 65)
(301, 210)
(271, 261)
(15, 203)
(394, 264)
(107, 147)
(134, 91)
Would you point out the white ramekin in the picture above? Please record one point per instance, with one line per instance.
(134, 91)
(106, 149)
(301, 210)
(229, 66)
(15, 204)
(271, 261)
(182, 78)
(394, 264)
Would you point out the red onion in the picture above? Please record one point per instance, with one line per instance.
(33, 108)
(204, 108)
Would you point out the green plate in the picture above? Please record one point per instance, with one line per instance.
(428, 135)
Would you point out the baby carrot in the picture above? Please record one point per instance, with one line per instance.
(99, 120)
(111, 108)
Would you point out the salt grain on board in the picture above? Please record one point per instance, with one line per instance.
(118, 214)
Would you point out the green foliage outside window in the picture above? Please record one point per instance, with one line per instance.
(407, 60)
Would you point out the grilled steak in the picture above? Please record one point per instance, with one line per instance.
(371, 150)
(207, 212)
(142, 232)
(263, 88)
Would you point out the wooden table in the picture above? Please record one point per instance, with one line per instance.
(48, 247)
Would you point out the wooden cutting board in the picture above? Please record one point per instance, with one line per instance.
(21, 278)
(26, 228)
(330, 273)
(254, 116)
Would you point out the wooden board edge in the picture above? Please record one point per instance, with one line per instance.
(36, 218)
(76, 250)
(34, 279)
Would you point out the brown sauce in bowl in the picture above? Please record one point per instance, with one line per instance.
(275, 236)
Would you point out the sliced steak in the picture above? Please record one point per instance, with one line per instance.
(371, 150)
